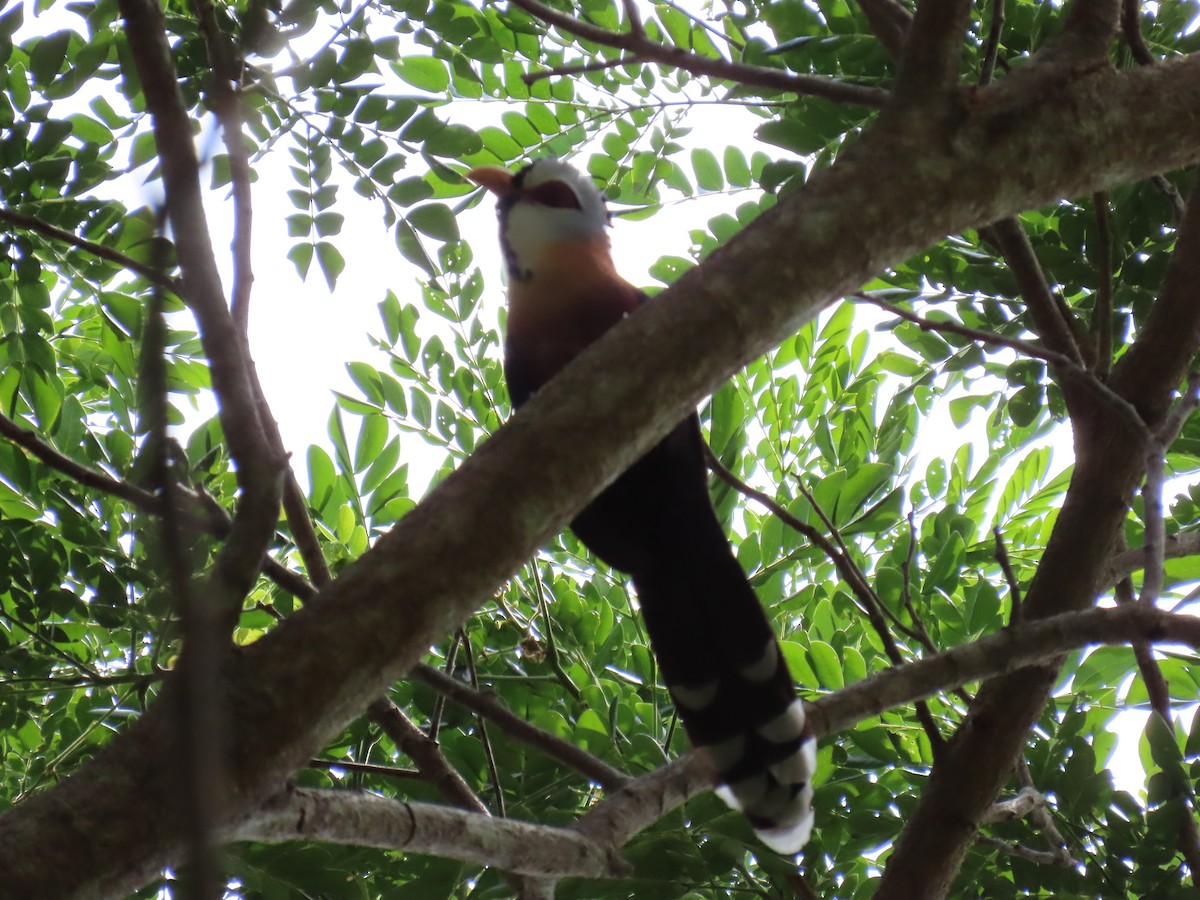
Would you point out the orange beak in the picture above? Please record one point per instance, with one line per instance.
(498, 181)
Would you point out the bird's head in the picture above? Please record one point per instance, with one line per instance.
(544, 203)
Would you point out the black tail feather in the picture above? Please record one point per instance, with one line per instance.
(715, 647)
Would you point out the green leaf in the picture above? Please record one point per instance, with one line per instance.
(454, 141)
(435, 220)
(827, 665)
(301, 256)
(790, 135)
(423, 72)
(707, 169)
(411, 249)
(48, 55)
(18, 86)
(737, 169)
(89, 130)
(331, 261)
(371, 439)
(321, 476)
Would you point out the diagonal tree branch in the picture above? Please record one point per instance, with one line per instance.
(1049, 320)
(636, 42)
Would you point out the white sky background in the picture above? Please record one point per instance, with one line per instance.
(302, 336)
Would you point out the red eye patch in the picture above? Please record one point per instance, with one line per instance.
(555, 194)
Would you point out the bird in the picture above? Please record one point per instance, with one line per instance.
(716, 649)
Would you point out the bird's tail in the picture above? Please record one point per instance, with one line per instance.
(731, 685)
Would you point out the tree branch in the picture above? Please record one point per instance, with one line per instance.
(1042, 818)
(1049, 320)
(1005, 651)
(930, 66)
(1131, 29)
(1037, 857)
(36, 225)
(1176, 546)
(226, 102)
(259, 465)
(425, 752)
(1070, 372)
(1102, 314)
(490, 707)
(636, 43)
(889, 21)
(992, 49)
(367, 820)
(1087, 32)
(581, 68)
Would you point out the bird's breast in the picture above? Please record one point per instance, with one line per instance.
(570, 295)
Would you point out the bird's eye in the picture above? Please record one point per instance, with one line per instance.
(556, 194)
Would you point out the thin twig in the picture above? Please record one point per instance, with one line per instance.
(439, 707)
(678, 58)
(922, 631)
(84, 475)
(878, 615)
(1180, 412)
(366, 768)
(484, 737)
(1168, 190)
(199, 509)
(1041, 816)
(428, 756)
(1051, 319)
(889, 21)
(1103, 313)
(34, 224)
(490, 707)
(1037, 857)
(226, 102)
(1131, 29)
(580, 68)
(1068, 368)
(201, 723)
(992, 49)
(634, 16)
(552, 654)
(1014, 587)
(1154, 531)
(1159, 694)
(984, 337)
(1154, 545)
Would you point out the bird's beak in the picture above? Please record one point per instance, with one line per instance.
(498, 181)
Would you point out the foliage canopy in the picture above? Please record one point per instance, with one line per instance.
(914, 472)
